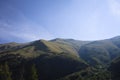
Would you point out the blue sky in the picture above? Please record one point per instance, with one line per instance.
(28, 20)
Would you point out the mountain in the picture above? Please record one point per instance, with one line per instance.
(100, 52)
(60, 58)
(76, 44)
(52, 59)
(42, 46)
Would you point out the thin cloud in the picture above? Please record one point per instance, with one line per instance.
(20, 27)
(114, 6)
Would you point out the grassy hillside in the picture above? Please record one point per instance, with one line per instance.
(62, 59)
(76, 44)
(53, 60)
(99, 52)
(89, 73)
(49, 66)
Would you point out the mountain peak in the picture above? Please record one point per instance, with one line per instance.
(57, 39)
(61, 39)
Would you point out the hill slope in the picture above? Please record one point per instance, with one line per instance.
(52, 59)
(100, 52)
(60, 58)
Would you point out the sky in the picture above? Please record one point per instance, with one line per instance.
(29, 20)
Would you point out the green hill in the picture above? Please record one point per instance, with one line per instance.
(60, 58)
(99, 52)
(52, 59)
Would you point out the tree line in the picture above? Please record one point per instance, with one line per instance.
(6, 73)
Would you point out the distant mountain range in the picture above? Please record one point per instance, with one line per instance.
(61, 59)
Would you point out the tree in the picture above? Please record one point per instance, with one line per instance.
(33, 73)
(1, 72)
(22, 73)
(5, 73)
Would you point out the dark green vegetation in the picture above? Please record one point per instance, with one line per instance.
(115, 69)
(61, 59)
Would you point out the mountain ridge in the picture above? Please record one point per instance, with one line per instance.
(61, 58)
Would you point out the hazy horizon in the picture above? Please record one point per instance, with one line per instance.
(29, 20)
